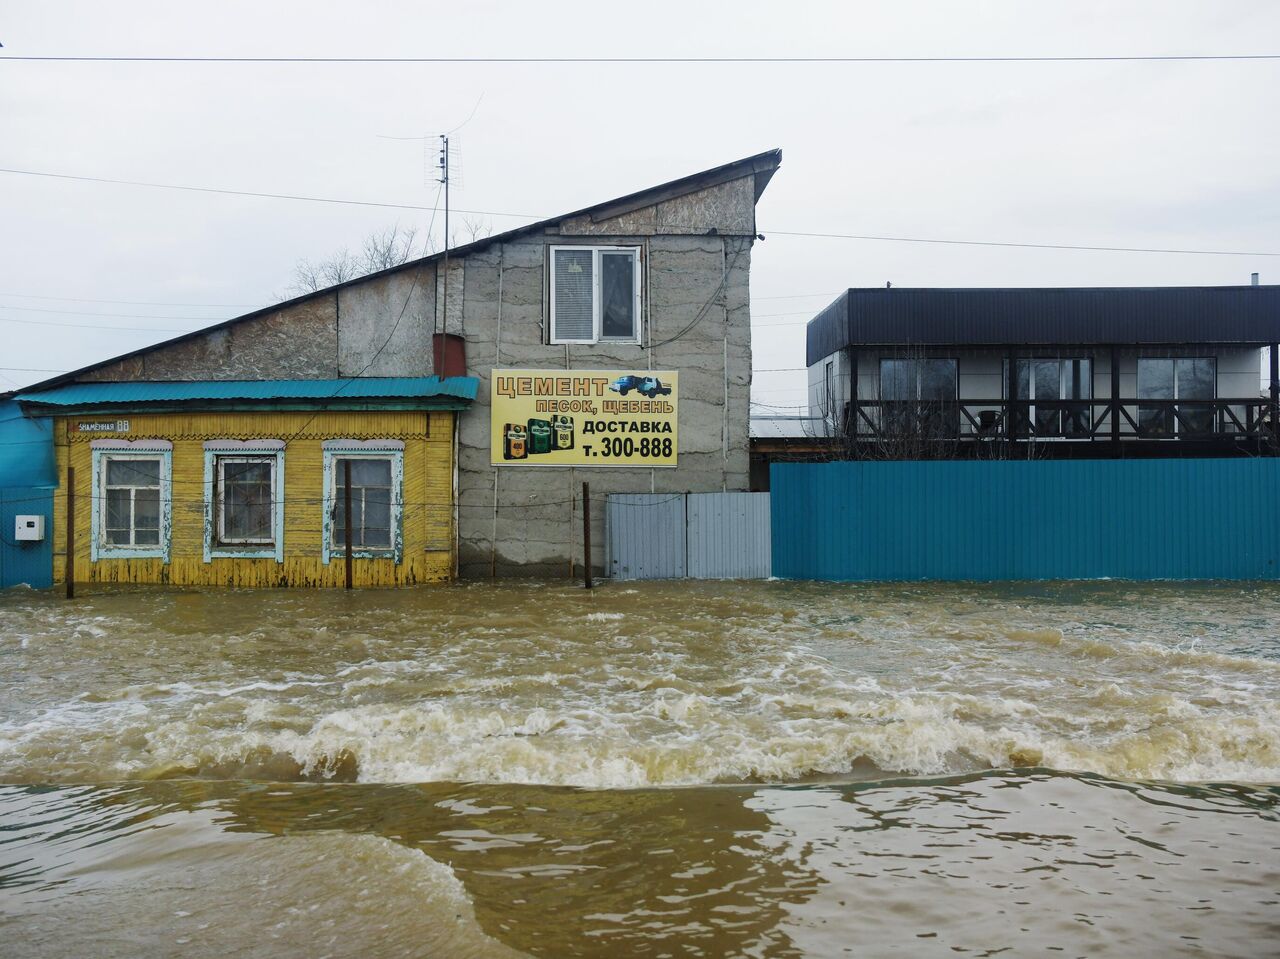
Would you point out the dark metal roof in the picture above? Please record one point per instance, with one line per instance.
(1046, 316)
(762, 166)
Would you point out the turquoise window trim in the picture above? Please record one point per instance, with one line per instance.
(99, 549)
(364, 449)
(272, 449)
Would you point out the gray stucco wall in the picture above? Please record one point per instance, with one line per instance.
(519, 520)
(535, 528)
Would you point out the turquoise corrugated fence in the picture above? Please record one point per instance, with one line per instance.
(1039, 519)
(22, 562)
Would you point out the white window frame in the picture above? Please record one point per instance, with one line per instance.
(104, 451)
(335, 450)
(596, 272)
(219, 452)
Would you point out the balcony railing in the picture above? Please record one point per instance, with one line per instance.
(1124, 419)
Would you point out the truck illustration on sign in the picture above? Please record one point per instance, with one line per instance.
(649, 386)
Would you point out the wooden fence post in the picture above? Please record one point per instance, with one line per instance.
(586, 535)
(346, 494)
(70, 565)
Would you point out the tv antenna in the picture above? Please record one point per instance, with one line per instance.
(444, 181)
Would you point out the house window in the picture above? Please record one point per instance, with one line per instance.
(1050, 382)
(1192, 378)
(131, 516)
(370, 502)
(377, 482)
(919, 397)
(131, 502)
(244, 499)
(595, 294)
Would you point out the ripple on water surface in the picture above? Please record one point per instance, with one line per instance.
(1025, 863)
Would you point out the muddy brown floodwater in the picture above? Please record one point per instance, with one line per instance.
(661, 769)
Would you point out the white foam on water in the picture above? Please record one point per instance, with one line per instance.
(675, 702)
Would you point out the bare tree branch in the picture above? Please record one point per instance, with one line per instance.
(380, 250)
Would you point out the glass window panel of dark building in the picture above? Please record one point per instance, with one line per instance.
(1077, 384)
(1155, 382)
(1195, 379)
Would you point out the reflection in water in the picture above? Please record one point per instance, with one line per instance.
(1024, 862)
(399, 773)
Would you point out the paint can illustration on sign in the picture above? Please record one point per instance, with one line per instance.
(562, 432)
(539, 436)
(516, 445)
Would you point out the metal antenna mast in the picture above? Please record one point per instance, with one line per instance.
(444, 179)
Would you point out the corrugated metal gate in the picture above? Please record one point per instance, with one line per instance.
(693, 535)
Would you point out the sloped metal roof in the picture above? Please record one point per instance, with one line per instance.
(788, 427)
(761, 166)
(185, 391)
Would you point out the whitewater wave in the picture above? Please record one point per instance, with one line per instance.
(655, 736)
(639, 694)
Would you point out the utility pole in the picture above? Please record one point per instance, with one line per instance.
(444, 180)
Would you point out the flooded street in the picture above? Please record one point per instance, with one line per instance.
(660, 769)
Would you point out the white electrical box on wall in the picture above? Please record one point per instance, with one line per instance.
(28, 529)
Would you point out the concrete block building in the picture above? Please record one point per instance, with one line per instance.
(620, 293)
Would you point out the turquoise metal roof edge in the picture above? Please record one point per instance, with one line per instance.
(361, 388)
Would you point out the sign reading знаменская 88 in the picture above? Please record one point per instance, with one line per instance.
(583, 418)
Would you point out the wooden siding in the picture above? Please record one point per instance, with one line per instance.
(428, 514)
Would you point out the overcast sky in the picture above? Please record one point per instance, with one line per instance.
(1172, 154)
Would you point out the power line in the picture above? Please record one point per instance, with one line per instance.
(1031, 246)
(1150, 58)
(84, 299)
(133, 316)
(93, 326)
(1006, 244)
(265, 196)
(30, 369)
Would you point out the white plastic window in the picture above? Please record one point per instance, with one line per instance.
(595, 294)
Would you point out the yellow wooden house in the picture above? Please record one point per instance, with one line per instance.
(243, 483)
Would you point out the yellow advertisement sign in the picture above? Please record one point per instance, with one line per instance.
(583, 418)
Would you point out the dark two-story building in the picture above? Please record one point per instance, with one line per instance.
(1069, 372)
